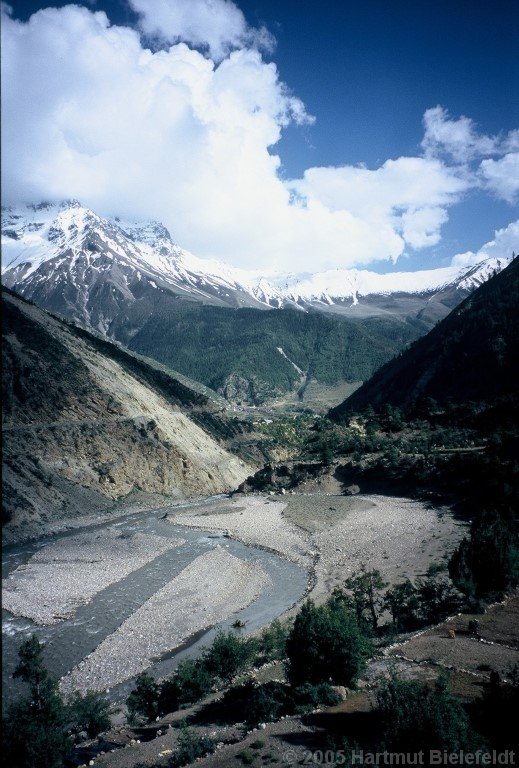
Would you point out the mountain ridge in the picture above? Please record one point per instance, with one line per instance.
(217, 324)
(38, 240)
(471, 355)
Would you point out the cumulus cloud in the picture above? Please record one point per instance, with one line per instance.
(502, 176)
(461, 141)
(217, 26)
(504, 244)
(408, 196)
(173, 134)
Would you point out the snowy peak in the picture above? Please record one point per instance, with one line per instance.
(86, 267)
(90, 269)
(339, 284)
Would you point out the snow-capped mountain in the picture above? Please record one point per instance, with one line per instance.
(335, 285)
(68, 259)
(89, 269)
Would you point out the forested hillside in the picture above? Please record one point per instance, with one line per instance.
(471, 355)
(239, 350)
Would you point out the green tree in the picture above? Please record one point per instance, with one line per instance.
(143, 700)
(493, 540)
(438, 599)
(326, 645)
(34, 728)
(90, 713)
(366, 587)
(416, 717)
(229, 655)
(403, 602)
(495, 712)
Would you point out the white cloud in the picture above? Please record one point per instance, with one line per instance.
(461, 140)
(504, 244)
(458, 138)
(408, 196)
(421, 227)
(88, 112)
(216, 25)
(502, 176)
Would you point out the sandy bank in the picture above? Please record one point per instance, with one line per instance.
(256, 521)
(334, 535)
(69, 572)
(209, 590)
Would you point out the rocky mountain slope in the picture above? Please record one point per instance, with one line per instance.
(132, 283)
(88, 268)
(86, 425)
(472, 355)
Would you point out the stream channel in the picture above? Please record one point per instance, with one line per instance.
(69, 641)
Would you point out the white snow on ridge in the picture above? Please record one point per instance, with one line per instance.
(33, 235)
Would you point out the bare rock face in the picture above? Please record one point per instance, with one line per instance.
(251, 391)
(86, 424)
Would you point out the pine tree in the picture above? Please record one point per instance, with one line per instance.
(34, 728)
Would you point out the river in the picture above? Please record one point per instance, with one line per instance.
(69, 641)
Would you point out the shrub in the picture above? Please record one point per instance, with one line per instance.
(273, 639)
(250, 703)
(258, 744)
(190, 683)
(416, 717)
(326, 645)
(265, 703)
(229, 655)
(89, 713)
(190, 747)
(308, 697)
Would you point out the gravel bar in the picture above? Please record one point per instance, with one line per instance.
(213, 587)
(71, 571)
(400, 537)
(256, 521)
(333, 535)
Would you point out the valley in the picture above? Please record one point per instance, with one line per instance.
(260, 363)
(219, 325)
(253, 557)
(168, 537)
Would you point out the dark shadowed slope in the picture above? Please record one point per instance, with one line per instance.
(471, 355)
(86, 424)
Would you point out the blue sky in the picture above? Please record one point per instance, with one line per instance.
(367, 72)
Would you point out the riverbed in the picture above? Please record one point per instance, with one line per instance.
(266, 553)
(69, 641)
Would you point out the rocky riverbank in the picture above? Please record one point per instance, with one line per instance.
(333, 535)
(68, 573)
(209, 590)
